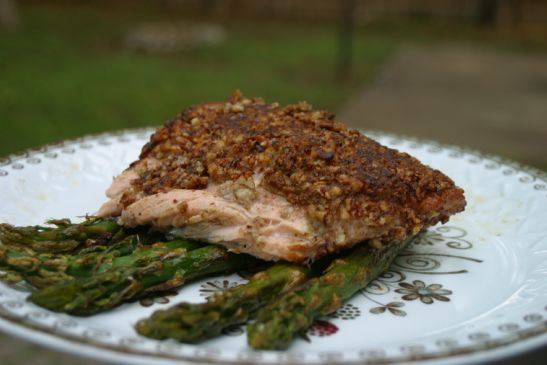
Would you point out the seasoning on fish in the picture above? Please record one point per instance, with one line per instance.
(277, 182)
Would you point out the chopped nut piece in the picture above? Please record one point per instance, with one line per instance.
(377, 244)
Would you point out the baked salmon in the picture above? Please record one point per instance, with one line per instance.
(278, 182)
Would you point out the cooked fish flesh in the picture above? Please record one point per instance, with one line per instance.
(288, 183)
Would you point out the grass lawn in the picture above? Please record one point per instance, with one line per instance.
(66, 73)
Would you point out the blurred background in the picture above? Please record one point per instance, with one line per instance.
(466, 72)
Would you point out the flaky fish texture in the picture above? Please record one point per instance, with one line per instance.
(277, 182)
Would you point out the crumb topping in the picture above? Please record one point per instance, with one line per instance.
(304, 155)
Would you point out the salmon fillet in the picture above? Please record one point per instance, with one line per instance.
(287, 183)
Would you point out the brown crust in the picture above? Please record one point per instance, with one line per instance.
(334, 172)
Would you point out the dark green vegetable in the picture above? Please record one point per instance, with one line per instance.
(65, 237)
(45, 269)
(157, 268)
(188, 322)
(278, 322)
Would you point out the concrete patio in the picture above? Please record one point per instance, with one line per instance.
(489, 100)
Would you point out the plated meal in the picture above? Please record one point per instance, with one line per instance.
(311, 210)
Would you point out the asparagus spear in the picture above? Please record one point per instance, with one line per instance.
(65, 237)
(44, 269)
(155, 270)
(21, 263)
(295, 311)
(128, 252)
(188, 322)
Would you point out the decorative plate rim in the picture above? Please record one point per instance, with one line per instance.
(522, 337)
(518, 166)
(115, 353)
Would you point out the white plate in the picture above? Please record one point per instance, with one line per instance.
(472, 290)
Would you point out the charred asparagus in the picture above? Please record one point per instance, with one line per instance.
(278, 322)
(188, 322)
(156, 269)
(45, 269)
(64, 237)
